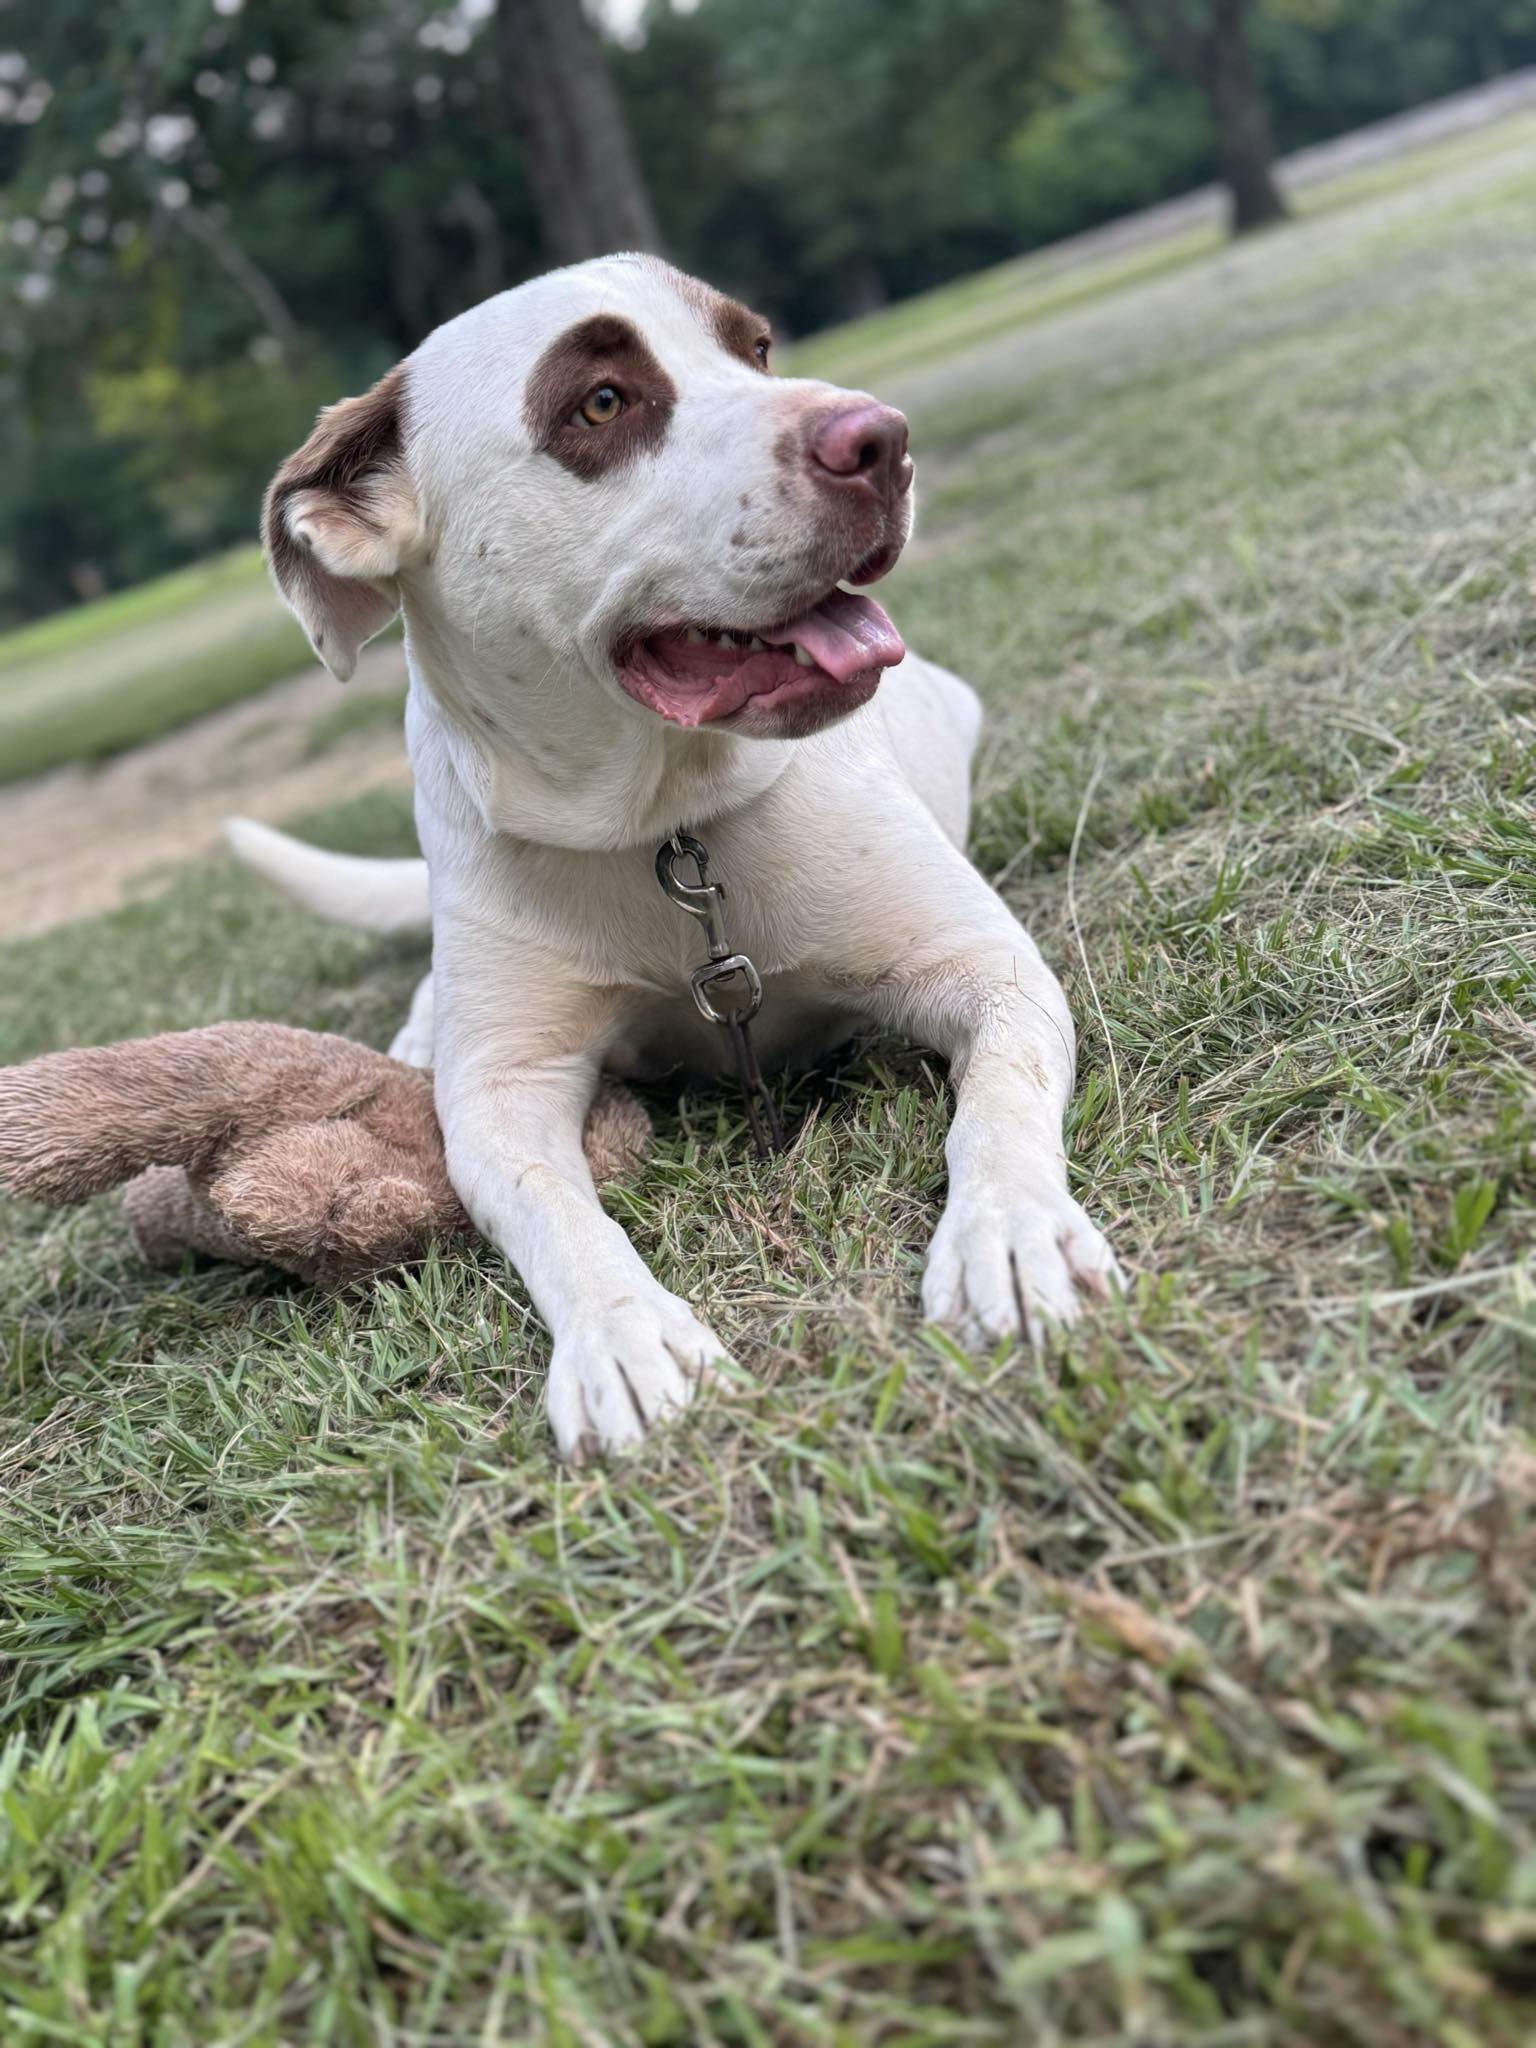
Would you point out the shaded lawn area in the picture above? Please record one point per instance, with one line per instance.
(1171, 1686)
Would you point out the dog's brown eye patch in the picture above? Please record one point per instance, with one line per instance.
(603, 356)
(739, 331)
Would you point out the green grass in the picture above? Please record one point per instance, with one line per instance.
(353, 716)
(1173, 1686)
(46, 735)
(91, 682)
(147, 603)
(926, 329)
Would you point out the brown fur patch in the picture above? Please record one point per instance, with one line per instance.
(601, 350)
(346, 471)
(351, 440)
(739, 331)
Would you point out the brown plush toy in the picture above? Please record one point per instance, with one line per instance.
(258, 1143)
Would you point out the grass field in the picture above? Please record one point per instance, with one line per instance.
(1173, 1686)
(111, 675)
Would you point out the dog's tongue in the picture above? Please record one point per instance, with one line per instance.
(843, 635)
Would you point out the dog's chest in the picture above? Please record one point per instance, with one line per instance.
(643, 945)
(604, 922)
(609, 918)
(661, 1029)
(663, 1035)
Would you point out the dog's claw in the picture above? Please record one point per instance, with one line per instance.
(617, 1375)
(1001, 1269)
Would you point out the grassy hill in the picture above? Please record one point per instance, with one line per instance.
(88, 683)
(1171, 1686)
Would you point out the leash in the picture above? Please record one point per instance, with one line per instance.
(705, 900)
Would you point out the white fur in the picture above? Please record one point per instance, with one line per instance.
(372, 895)
(543, 792)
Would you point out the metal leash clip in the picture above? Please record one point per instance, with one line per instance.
(705, 900)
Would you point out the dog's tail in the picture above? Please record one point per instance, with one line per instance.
(371, 895)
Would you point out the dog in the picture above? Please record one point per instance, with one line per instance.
(626, 553)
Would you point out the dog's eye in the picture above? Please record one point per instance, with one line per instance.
(601, 406)
(760, 350)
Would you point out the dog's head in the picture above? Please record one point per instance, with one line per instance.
(595, 481)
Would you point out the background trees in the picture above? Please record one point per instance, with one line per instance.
(1207, 41)
(220, 213)
(576, 151)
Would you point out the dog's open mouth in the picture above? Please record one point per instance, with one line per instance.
(699, 674)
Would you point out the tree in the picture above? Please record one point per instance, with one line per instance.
(576, 147)
(1333, 65)
(823, 158)
(1207, 41)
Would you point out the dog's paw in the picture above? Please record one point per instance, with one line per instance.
(1008, 1265)
(615, 1375)
(414, 1041)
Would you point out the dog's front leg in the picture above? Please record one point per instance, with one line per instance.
(413, 1041)
(1013, 1250)
(626, 1352)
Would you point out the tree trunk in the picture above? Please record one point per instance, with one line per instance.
(581, 164)
(1244, 146)
(865, 290)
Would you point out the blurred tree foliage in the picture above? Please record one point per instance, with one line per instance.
(220, 213)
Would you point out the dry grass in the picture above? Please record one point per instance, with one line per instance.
(1172, 1687)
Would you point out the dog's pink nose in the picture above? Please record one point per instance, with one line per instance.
(865, 448)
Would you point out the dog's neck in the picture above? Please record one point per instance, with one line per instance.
(544, 759)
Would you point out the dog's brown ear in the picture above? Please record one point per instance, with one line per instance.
(341, 521)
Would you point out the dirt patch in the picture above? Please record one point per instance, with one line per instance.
(84, 840)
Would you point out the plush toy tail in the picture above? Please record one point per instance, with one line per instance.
(371, 895)
(73, 1123)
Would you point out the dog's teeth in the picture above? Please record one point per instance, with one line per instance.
(694, 637)
(802, 657)
(725, 639)
(755, 646)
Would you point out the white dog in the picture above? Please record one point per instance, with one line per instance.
(619, 543)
